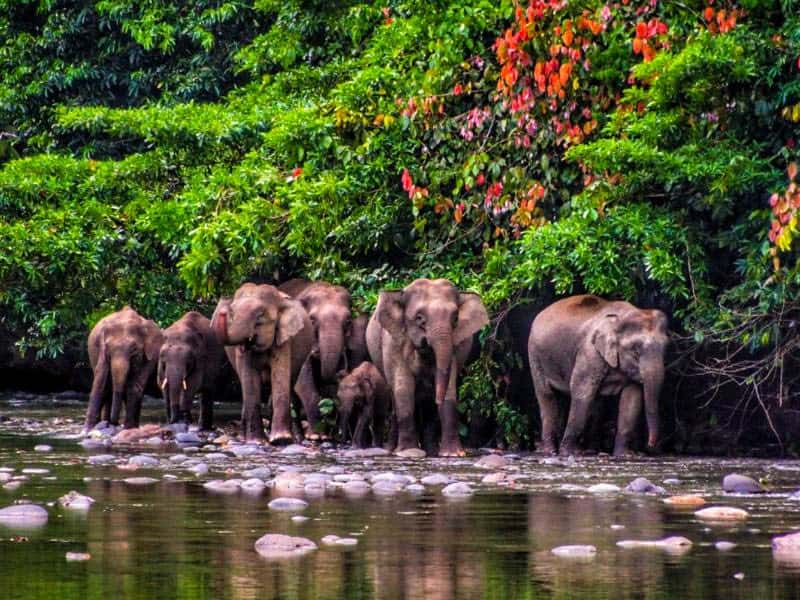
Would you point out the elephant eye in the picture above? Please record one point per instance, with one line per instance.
(420, 319)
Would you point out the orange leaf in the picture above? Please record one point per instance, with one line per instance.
(568, 37)
(708, 13)
(637, 45)
(792, 170)
(564, 72)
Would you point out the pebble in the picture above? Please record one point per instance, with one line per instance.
(189, 437)
(412, 453)
(140, 480)
(604, 488)
(77, 556)
(214, 456)
(258, 473)
(741, 484)
(675, 543)
(415, 488)
(334, 470)
(91, 444)
(492, 461)
(199, 469)
(278, 546)
(641, 485)
(224, 486)
(671, 481)
(75, 501)
(23, 515)
(723, 546)
(575, 551)
(178, 458)
(101, 459)
(457, 490)
(246, 450)
(688, 501)
(35, 471)
(254, 484)
(722, 513)
(300, 519)
(142, 460)
(288, 504)
(42, 448)
(292, 449)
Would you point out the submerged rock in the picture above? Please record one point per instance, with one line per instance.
(254, 485)
(199, 469)
(575, 551)
(435, 479)
(329, 540)
(35, 471)
(259, 473)
(786, 548)
(741, 484)
(288, 504)
(387, 487)
(722, 513)
(356, 487)
(23, 515)
(641, 485)
(75, 501)
(415, 488)
(276, 546)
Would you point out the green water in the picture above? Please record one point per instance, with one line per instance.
(175, 539)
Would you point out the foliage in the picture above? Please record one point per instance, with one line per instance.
(160, 153)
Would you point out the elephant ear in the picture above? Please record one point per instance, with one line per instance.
(391, 306)
(472, 317)
(291, 320)
(152, 345)
(605, 340)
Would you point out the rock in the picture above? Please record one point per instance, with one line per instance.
(42, 448)
(23, 515)
(222, 440)
(177, 459)
(411, 453)
(259, 473)
(35, 471)
(276, 546)
(5, 477)
(329, 540)
(140, 480)
(394, 477)
(785, 548)
(674, 544)
(77, 556)
(288, 504)
(435, 479)
(190, 449)
(387, 487)
(223, 486)
(12, 485)
(254, 485)
(300, 519)
(199, 469)
(177, 428)
(576, 551)
(492, 461)
(142, 460)
(101, 459)
(243, 450)
(603, 488)
(347, 541)
(314, 489)
(289, 481)
(496, 478)
(671, 481)
(155, 441)
(169, 476)
(293, 449)
(318, 478)
(686, 501)
(739, 576)
(457, 490)
(356, 487)
(345, 477)
(723, 546)
(722, 513)
(129, 436)
(189, 437)
(91, 444)
(75, 501)
(215, 456)
(415, 488)
(640, 485)
(334, 470)
(741, 484)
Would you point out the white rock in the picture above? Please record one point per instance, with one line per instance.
(42, 448)
(604, 488)
(23, 515)
(77, 556)
(722, 513)
(75, 501)
(223, 486)
(575, 551)
(435, 479)
(140, 480)
(276, 546)
(457, 490)
(142, 460)
(288, 504)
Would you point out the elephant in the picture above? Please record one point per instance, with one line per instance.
(126, 345)
(189, 363)
(419, 336)
(268, 337)
(363, 395)
(586, 347)
(337, 340)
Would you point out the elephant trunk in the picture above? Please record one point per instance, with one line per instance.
(331, 346)
(120, 367)
(442, 344)
(344, 424)
(176, 382)
(220, 325)
(652, 379)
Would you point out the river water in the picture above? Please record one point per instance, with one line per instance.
(176, 539)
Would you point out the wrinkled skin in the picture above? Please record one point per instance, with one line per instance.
(189, 363)
(125, 346)
(328, 307)
(363, 397)
(268, 337)
(420, 336)
(587, 347)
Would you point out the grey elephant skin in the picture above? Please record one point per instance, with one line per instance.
(588, 347)
(420, 338)
(338, 341)
(125, 346)
(190, 362)
(363, 397)
(267, 337)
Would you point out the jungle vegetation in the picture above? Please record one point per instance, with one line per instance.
(160, 153)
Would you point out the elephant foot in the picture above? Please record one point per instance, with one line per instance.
(281, 437)
(624, 452)
(548, 449)
(568, 451)
(451, 449)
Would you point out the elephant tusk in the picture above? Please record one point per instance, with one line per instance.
(163, 384)
(184, 385)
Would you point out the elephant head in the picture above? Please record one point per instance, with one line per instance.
(434, 316)
(328, 307)
(258, 317)
(181, 356)
(352, 393)
(635, 343)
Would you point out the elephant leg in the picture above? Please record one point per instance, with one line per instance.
(630, 408)
(359, 435)
(548, 408)
(280, 383)
(306, 390)
(252, 426)
(583, 390)
(450, 444)
(206, 410)
(96, 395)
(403, 388)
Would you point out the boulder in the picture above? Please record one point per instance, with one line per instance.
(741, 484)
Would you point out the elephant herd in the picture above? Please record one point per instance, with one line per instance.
(394, 373)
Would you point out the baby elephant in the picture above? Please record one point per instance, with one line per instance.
(189, 363)
(363, 396)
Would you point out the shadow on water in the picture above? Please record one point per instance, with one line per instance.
(175, 539)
